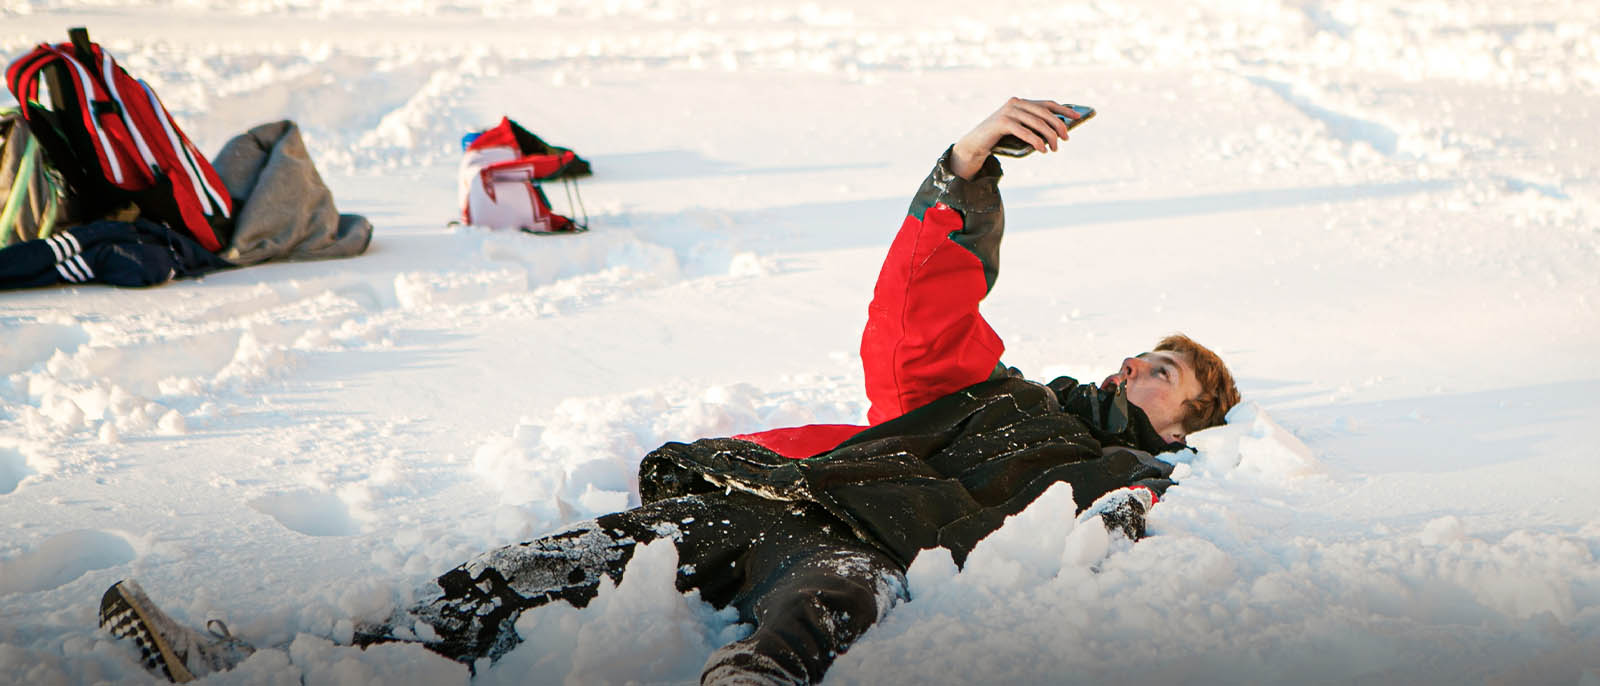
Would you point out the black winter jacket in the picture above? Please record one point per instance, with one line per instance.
(944, 475)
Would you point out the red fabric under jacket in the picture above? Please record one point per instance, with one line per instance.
(924, 336)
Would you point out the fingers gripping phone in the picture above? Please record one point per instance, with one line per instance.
(1012, 146)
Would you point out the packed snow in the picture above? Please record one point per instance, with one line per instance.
(1385, 214)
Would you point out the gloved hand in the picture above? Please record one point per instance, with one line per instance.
(1123, 510)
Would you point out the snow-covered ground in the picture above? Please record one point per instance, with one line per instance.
(1384, 213)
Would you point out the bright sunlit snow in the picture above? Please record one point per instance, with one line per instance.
(1385, 214)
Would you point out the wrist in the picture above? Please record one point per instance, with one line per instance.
(966, 160)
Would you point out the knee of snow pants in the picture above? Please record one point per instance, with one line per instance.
(471, 611)
(811, 612)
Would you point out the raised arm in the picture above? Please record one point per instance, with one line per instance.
(924, 336)
(1031, 120)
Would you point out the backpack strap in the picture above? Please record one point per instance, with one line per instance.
(79, 36)
(82, 105)
(22, 77)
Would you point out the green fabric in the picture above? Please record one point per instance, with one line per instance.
(52, 208)
(19, 191)
(31, 193)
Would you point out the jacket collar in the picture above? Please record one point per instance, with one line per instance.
(1111, 419)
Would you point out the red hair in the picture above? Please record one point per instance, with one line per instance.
(1217, 392)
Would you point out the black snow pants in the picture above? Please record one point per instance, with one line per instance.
(809, 586)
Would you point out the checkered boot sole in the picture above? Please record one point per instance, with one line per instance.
(167, 648)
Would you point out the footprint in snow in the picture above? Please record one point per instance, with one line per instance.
(13, 469)
(60, 559)
(312, 514)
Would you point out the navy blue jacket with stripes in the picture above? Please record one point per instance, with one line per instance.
(137, 253)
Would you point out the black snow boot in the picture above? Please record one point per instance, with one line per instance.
(167, 648)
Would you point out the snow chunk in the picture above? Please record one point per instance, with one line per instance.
(643, 626)
(108, 433)
(1444, 531)
(600, 500)
(172, 424)
(253, 359)
(1253, 442)
(1087, 544)
(750, 264)
(62, 410)
(1029, 548)
(324, 662)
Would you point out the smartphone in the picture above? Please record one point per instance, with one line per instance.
(1011, 146)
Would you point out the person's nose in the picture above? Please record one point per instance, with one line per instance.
(1134, 367)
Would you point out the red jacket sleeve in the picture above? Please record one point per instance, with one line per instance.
(924, 336)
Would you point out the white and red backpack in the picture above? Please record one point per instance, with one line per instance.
(500, 180)
(114, 143)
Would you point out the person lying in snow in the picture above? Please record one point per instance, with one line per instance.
(811, 552)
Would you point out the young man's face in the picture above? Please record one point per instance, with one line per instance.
(1159, 383)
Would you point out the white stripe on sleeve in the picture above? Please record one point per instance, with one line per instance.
(62, 250)
(69, 269)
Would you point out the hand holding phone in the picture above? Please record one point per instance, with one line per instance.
(1012, 146)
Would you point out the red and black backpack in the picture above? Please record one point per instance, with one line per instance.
(114, 143)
